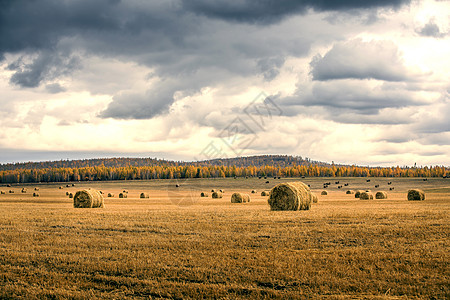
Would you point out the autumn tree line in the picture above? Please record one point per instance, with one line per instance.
(198, 170)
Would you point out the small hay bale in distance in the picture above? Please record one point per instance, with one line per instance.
(88, 199)
(110, 195)
(144, 195)
(35, 194)
(204, 194)
(349, 192)
(358, 193)
(213, 190)
(70, 195)
(60, 187)
(217, 195)
(177, 185)
(67, 193)
(73, 184)
(11, 191)
(315, 199)
(366, 196)
(8, 185)
(222, 191)
(381, 195)
(123, 195)
(290, 196)
(24, 190)
(2, 192)
(68, 185)
(416, 195)
(253, 191)
(240, 198)
(265, 193)
(324, 193)
(36, 189)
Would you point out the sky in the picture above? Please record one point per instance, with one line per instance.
(354, 82)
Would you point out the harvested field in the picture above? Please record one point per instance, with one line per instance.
(342, 248)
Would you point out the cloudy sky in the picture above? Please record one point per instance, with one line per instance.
(364, 82)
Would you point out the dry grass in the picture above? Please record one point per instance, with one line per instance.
(150, 248)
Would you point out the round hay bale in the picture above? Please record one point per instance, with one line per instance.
(217, 195)
(222, 191)
(73, 184)
(36, 189)
(144, 195)
(324, 193)
(213, 190)
(253, 191)
(265, 193)
(123, 195)
(350, 192)
(177, 185)
(204, 194)
(315, 199)
(125, 191)
(366, 196)
(358, 193)
(60, 187)
(67, 193)
(381, 195)
(240, 198)
(110, 195)
(2, 192)
(88, 199)
(11, 191)
(24, 190)
(68, 185)
(416, 195)
(8, 185)
(70, 195)
(35, 194)
(290, 196)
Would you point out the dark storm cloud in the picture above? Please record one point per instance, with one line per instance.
(270, 67)
(54, 88)
(431, 29)
(360, 60)
(139, 106)
(180, 41)
(271, 11)
(45, 66)
(354, 102)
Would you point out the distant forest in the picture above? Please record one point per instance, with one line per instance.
(152, 168)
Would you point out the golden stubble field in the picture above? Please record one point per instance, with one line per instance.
(177, 245)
